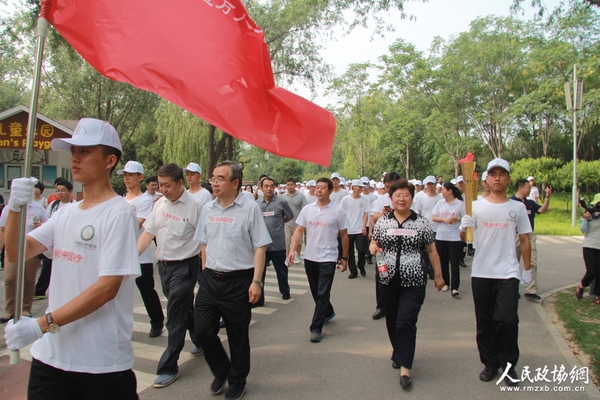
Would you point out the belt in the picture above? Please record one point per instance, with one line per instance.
(229, 274)
(168, 263)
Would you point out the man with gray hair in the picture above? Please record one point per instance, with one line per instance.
(230, 281)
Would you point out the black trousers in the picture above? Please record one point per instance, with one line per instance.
(402, 307)
(367, 252)
(591, 257)
(379, 295)
(44, 279)
(320, 278)
(496, 303)
(145, 284)
(278, 258)
(225, 297)
(450, 253)
(178, 282)
(360, 241)
(49, 383)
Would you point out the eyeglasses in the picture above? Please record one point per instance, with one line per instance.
(218, 179)
(61, 191)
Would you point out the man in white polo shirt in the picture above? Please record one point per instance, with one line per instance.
(173, 222)
(323, 221)
(193, 177)
(338, 193)
(133, 174)
(357, 210)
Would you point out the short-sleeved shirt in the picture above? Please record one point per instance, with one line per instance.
(142, 208)
(204, 195)
(444, 210)
(232, 234)
(310, 198)
(425, 205)
(296, 201)
(382, 201)
(34, 210)
(174, 226)
(495, 229)
(355, 210)
(337, 197)
(322, 228)
(403, 245)
(275, 212)
(534, 194)
(86, 245)
(532, 208)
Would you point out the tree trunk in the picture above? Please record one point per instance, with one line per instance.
(229, 146)
(215, 150)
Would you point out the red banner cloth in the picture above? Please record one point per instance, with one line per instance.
(206, 56)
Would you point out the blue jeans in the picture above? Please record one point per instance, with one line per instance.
(320, 278)
(278, 258)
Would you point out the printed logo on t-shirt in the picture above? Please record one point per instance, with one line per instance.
(221, 220)
(132, 207)
(501, 225)
(170, 216)
(317, 223)
(268, 213)
(69, 256)
(512, 214)
(87, 233)
(401, 232)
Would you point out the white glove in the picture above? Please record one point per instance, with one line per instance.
(526, 278)
(467, 222)
(24, 332)
(21, 193)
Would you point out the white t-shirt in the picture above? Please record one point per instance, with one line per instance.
(50, 211)
(205, 195)
(382, 201)
(42, 202)
(495, 228)
(425, 205)
(88, 244)
(309, 198)
(337, 197)
(142, 207)
(34, 209)
(355, 211)
(322, 229)
(534, 194)
(246, 193)
(444, 210)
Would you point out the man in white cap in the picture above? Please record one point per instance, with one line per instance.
(338, 193)
(486, 187)
(424, 205)
(369, 195)
(460, 184)
(193, 177)
(133, 174)
(173, 222)
(310, 194)
(357, 210)
(84, 348)
(495, 273)
(534, 193)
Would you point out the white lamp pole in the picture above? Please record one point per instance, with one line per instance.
(574, 104)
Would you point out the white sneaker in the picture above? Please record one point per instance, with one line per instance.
(297, 259)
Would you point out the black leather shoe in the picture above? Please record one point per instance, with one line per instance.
(363, 272)
(378, 314)
(235, 392)
(405, 381)
(155, 332)
(370, 261)
(352, 276)
(488, 373)
(462, 263)
(394, 365)
(285, 296)
(218, 384)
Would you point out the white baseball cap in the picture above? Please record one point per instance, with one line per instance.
(357, 182)
(498, 163)
(335, 175)
(438, 185)
(90, 132)
(429, 179)
(418, 182)
(342, 181)
(380, 185)
(453, 181)
(132, 167)
(460, 179)
(312, 183)
(373, 185)
(365, 179)
(193, 167)
(531, 178)
(484, 176)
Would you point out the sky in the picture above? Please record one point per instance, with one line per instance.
(442, 18)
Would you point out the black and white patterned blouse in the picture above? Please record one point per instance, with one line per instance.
(402, 246)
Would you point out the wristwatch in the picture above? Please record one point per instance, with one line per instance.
(53, 327)
(259, 283)
(345, 258)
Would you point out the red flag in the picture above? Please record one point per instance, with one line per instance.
(208, 57)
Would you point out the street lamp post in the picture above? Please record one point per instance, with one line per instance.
(574, 104)
(266, 163)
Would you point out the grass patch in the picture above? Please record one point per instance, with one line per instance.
(557, 220)
(582, 320)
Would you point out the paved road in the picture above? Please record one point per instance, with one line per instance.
(353, 362)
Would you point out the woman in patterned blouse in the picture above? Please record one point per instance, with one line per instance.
(403, 236)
